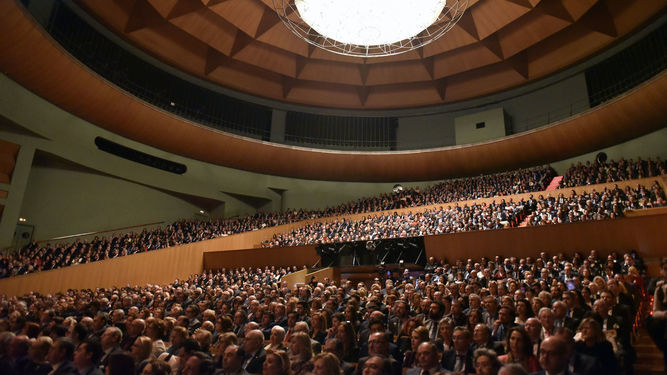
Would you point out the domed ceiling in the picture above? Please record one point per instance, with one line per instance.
(497, 45)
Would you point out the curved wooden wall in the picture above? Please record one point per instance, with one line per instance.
(30, 57)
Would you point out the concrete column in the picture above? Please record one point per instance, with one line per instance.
(278, 118)
(16, 191)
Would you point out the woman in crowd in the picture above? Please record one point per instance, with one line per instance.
(318, 327)
(418, 336)
(444, 340)
(474, 318)
(486, 362)
(276, 363)
(326, 364)
(348, 337)
(524, 311)
(155, 330)
(300, 354)
(594, 343)
(519, 350)
(141, 351)
(156, 367)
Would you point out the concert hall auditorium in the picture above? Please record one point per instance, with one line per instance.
(333, 187)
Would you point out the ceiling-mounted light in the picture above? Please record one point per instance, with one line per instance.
(369, 28)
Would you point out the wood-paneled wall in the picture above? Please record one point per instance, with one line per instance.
(642, 233)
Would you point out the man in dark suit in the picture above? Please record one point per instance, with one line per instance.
(110, 341)
(378, 345)
(86, 357)
(254, 352)
(505, 321)
(460, 358)
(427, 358)
(60, 357)
(554, 357)
(481, 337)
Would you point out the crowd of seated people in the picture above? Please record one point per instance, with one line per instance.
(594, 205)
(600, 172)
(469, 316)
(607, 204)
(36, 257)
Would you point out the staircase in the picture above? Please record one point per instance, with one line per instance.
(649, 358)
(553, 185)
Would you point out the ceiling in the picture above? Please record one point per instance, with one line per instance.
(497, 45)
(29, 56)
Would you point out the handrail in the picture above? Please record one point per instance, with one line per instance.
(98, 232)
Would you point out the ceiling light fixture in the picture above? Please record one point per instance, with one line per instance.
(369, 28)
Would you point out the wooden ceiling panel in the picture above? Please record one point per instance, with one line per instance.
(453, 39)
(628, 14)
(577, 8)
(245, 15)
(412, 71)
(463, 60)
(208, 28)
(268, 58)
(164, 7)
(276, 36)
(565, 48)
(114, 14)
(173, 46)
(332, 72)
(481, 81)
(320, 54)
(241, 77)
(408, 56)
(527, 31)
(491, 15)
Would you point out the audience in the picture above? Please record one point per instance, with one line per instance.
(456, 316)
(599, 172)
(35, 257)
(360, 319)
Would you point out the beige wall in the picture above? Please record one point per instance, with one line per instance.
(466, 131)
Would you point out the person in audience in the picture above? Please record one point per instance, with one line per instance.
(427, 359)
(110, 341)
(232, 361)
(482, 339)
(156, 367)
(460, 358)
(255, 355)
(300, 354)
(38, 365)
(60, 357)
(142, 352)
(199, 363)
(486, 362)
(276, 339)
(519, 350)
(276, 363)
(594, 344)
(87, 356)
(326, 364)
